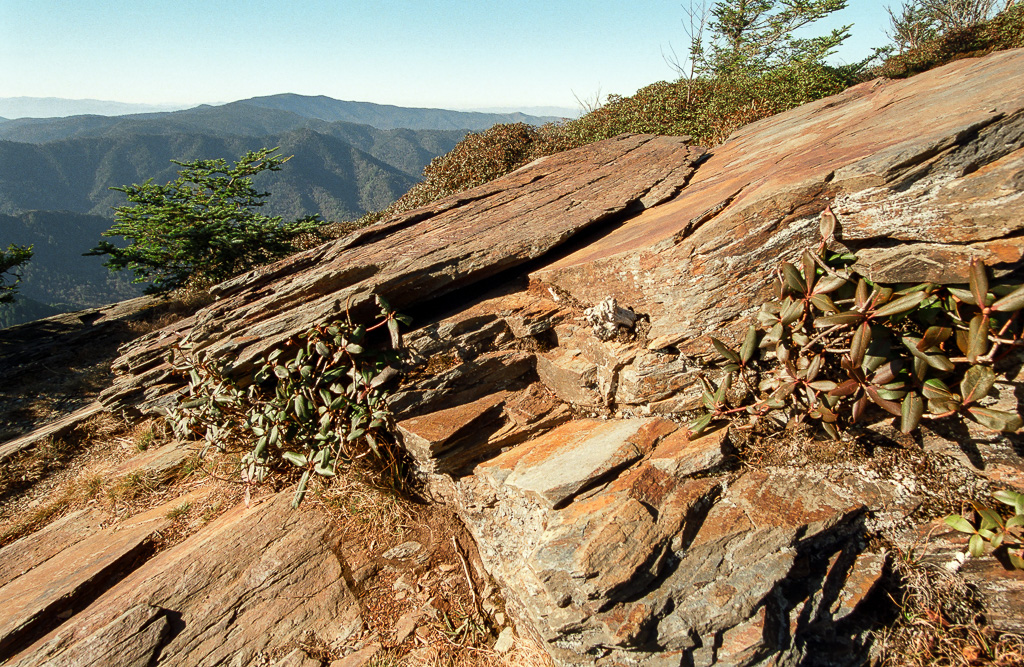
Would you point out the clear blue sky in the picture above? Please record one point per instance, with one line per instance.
(431, 53)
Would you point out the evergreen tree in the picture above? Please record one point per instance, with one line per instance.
(11, 262)
(754, 37)
(202, 227)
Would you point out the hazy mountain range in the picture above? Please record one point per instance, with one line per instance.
(48, 107)
(53, 107)
(56, 173)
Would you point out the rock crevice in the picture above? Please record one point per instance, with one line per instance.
(616, 537)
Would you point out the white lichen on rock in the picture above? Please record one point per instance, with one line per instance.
(607, 316)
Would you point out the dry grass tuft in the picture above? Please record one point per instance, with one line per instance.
(149, 432)
(361, 507)
(524, 653)
(75, 471)
(133, 486)
(941, 623)
(180, 304)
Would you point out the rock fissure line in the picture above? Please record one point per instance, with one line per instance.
(622, 540)
(708, 215)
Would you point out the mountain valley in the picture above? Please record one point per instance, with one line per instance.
(350, 158)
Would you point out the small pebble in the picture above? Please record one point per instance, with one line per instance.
(504, 642)
(403, 550)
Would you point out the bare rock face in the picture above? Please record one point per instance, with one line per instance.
(251, 581)
(648, 566)
(424, 254)
(931, 162)
(61, 567)
(618, 539)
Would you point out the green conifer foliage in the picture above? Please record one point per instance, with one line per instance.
(11, 260)
(202, 227)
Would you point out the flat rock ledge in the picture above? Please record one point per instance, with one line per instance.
(617, 539)
(253, 580)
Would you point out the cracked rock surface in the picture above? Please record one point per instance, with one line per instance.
(616, 538)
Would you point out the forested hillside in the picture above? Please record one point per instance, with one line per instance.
(59, 278)
(258, 116)
(349, 158)
(329, 175)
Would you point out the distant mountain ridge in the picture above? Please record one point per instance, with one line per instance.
(349, 158)
(258, 116)
(50, 107)
(58, 274)
(386, 116)
(340, 175)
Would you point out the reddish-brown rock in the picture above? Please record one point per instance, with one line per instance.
(426, 253)
(64, 566)
(253, 580)
(622, 541)
(949, 191)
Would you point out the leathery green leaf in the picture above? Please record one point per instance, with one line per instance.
(1011, 498)
(295, 458)
(936, 388)
(1011, 302)
(957, 522)
(810, 271)
(300, 492)
(977, 382)
(859, 343)
(698, 425)
(827, 224)
(901, 305)
(934, 336)
(979, 282)
(723, 388)
(824, 303)
(887, 405)
(848, 317)
(977, 338)
(846, 388)
(749, 346)
(861, 295)
(997, 420)
(829, 284)
(792, 311)
(911, 411)
(976, 545)
(725, 351)
(791, 276)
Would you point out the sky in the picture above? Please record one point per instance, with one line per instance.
(455, 54)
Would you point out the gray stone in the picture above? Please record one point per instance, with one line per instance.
(402, 551)
(559, 464)
(133, 639)
(56, 582)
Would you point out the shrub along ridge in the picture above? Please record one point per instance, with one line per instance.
(720, 98)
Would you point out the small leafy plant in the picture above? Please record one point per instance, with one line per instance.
(832, 343)
(1001, 534)
(317, 403)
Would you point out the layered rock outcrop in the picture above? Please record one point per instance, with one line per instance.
(616, 537)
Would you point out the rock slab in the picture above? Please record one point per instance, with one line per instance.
(253, 580)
